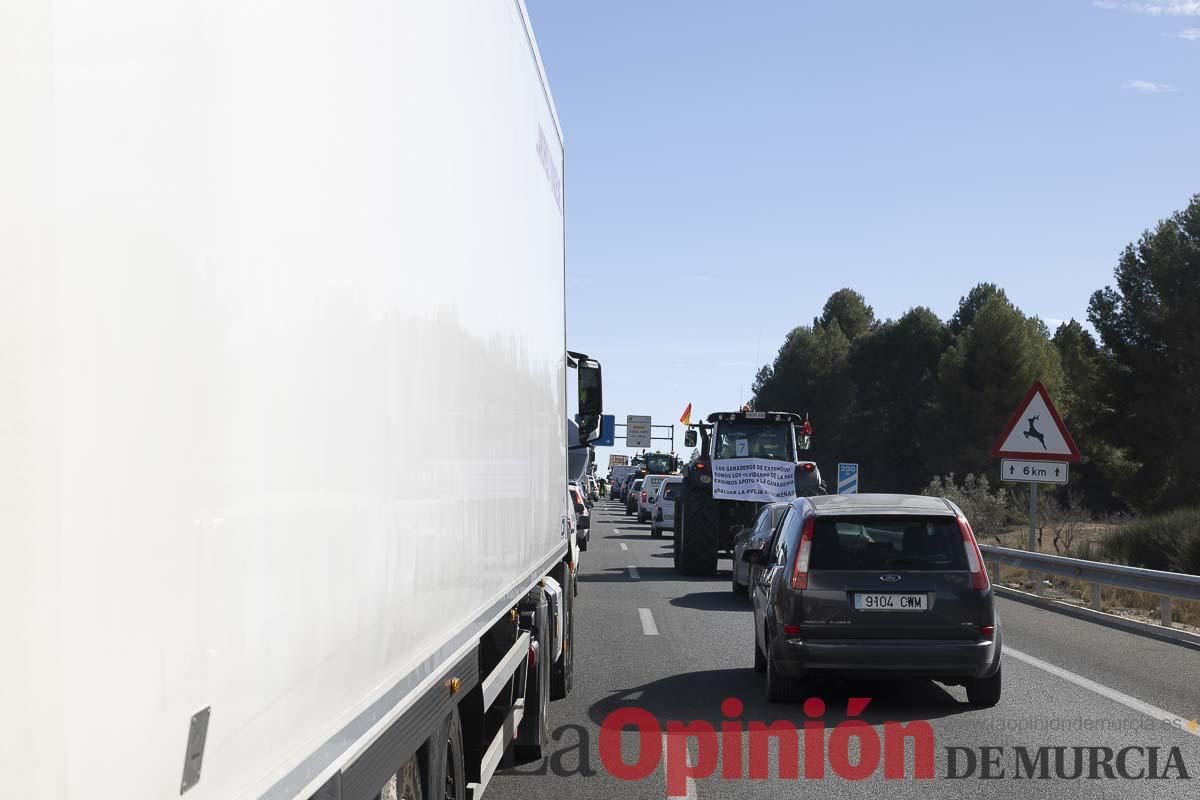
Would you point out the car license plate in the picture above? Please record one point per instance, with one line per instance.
(891, 602)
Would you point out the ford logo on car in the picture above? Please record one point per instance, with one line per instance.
(889, 578)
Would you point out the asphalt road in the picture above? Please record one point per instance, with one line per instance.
(678, 647)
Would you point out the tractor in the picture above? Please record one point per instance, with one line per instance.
(656, 463)
(706, 521)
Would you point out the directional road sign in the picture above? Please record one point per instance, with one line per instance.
(637, 431)
(1012, 469)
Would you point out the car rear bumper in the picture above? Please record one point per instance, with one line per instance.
(924, 658)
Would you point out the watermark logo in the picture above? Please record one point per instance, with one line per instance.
(733, 748)
(724, 747)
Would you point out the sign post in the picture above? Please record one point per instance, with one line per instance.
(1034, 448)
(1032, 547)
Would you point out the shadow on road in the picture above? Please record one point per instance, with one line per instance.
(713, 601)
(678, 697)
(619, 574)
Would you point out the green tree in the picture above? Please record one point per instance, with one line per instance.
(984, 374)
(895, 373)
(810, 376)
(1149, 391)
(850, 311)
(969, 305)
(1080, 357)
(1081, 361)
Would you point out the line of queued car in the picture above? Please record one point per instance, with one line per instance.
(651, 498)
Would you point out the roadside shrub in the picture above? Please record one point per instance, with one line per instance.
(1168, 541)
(986, 510)
(1064, 518)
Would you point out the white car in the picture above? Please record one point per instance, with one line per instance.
(662, 515)
(649, 494)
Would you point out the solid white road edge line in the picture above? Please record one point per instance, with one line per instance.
(648, 626)
(1175, 720)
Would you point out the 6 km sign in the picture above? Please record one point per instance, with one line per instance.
(1035, 448)
(1039, 471)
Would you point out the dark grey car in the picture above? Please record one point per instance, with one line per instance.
(759, 536)
(875, 585)
(631, 497)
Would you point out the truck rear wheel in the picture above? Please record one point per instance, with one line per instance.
(407, 783)
(700, 532)
(533, 735)
(563, 672)
(454, 782)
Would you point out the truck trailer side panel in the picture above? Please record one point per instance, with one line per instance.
(283, 384)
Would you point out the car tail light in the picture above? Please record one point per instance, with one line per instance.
(987, 631)
(643, 497)
(699, 465)
(808, 466)
(791, 630)
(979, 576)
(800, 574)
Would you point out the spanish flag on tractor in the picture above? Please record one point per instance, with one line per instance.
(686, 419)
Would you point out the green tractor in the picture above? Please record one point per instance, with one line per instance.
(656, 464)
(709, 513)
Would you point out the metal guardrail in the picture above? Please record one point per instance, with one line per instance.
(1167, 585)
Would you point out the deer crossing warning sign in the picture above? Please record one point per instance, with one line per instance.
(1036, 431)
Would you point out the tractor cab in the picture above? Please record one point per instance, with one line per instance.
(774, 435)
(656, 464)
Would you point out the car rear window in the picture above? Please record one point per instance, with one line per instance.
(670, 490)
(887, 543)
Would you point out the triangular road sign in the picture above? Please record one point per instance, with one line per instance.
(1036, 431)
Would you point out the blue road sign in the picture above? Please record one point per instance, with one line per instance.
(608, 431)
(847, 479)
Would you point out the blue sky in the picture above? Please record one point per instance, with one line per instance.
(729, 165)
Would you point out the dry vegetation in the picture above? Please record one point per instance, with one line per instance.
(1065, 529)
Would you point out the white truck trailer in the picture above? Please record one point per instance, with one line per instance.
(282, 389)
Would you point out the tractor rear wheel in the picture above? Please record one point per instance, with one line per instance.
(700, 528)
